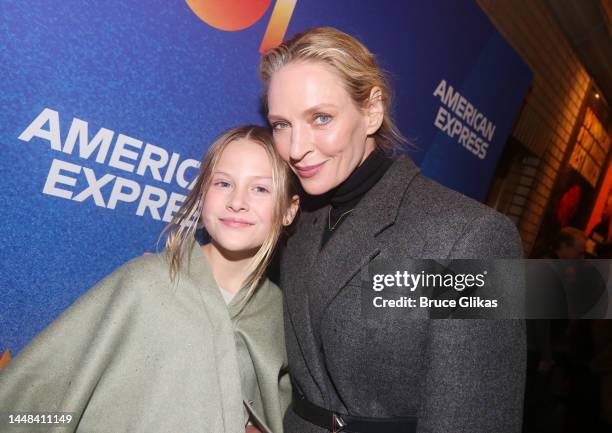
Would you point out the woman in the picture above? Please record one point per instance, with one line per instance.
(329, 106)
(190, 341)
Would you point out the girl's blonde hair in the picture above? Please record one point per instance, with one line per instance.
(351, 60)
(181, 230)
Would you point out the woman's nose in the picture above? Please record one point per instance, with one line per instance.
(301, 143)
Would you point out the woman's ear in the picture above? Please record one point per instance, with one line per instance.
(292, 210)
(375, 110)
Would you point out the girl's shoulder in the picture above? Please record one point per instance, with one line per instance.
(146, 268)
(273, 287)
(268, 296)
(273, 291)
(145, 273)
(149, 265)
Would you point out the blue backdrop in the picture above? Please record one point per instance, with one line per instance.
(105, 108)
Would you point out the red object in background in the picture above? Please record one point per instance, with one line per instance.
(229, 15)
(234, 15)
(603, 204)
(5, 358)
(568, 205)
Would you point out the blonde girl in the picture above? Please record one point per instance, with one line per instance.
(190, 340)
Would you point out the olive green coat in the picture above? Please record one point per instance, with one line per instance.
(138, 353)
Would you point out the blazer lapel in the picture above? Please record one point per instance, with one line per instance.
(313, 277)
(361, 237)
(298, 264)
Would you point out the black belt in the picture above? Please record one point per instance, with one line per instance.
(336, 422)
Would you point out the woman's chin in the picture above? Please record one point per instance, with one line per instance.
(317, 186)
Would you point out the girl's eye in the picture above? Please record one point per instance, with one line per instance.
(261, 189)
(322, 119)
(222, 184)
(276, 126)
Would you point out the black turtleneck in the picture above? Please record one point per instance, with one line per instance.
(346, 195)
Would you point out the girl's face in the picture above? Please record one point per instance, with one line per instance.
(238, 208)
(318, 129)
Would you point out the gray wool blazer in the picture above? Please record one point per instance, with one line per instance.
(455, 376)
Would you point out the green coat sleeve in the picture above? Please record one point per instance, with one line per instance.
(134, 354)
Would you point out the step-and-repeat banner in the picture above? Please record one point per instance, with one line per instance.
(107, 107)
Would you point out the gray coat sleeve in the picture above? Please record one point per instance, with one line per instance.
(476, 375)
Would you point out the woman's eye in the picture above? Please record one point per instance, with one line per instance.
(222, 184)
(322, 119)
(279, 125)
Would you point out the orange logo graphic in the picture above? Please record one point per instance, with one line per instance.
(5, 358)
(233, 15)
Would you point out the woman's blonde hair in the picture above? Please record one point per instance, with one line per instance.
(351, 60)
(181, 230)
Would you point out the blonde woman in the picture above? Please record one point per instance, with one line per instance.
(329, 103)
(189, 341)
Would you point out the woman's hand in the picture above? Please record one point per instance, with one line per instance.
(252, 429)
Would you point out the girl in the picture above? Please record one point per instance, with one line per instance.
(187, 342)
(329, 105)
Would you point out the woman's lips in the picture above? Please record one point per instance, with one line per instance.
(307, 171)
(235, 222)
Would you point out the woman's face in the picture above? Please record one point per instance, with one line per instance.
(238, 208)
(318, 128)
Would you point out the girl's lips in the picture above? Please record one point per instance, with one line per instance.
(309, 170)
(235, 222)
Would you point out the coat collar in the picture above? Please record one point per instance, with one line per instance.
(380, 206)
(376, 211)
(200, 272)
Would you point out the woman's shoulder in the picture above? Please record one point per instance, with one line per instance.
(435, 198)
(424, 203)
(450, 219)
(438, 204)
